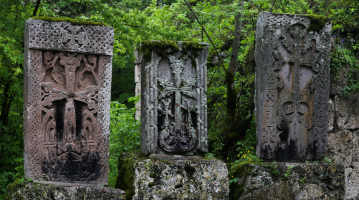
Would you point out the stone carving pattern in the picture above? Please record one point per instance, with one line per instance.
(70, 97)
(180, 135)
(295, 104)
(63, 36)
(67, 101)
(174, 114)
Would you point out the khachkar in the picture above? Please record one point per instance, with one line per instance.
(67, 100)
(174, 128)
(292, 57)
(174, 97)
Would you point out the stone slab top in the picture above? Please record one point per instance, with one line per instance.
(69, 35)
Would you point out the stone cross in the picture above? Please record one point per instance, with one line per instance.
(173, 111)
(67, 98)
(292, 86)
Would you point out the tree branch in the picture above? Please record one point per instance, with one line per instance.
(36, 8)
(271, 8)
(230, 72)
(220, 59)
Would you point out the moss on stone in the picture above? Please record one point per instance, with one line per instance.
(239, 171)
(194, 47)
(164, 48)
(151, 184)
(317, 22)
(126, 171)
(72, 21)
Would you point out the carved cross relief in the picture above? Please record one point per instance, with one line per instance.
(70, 88)
(178, 131)
(295, 57)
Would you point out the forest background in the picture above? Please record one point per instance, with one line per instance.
(230, 83)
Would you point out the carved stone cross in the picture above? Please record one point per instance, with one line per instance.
(174, 97)
(181, 139)
(67, 101)
(295, 76)
(292, 86)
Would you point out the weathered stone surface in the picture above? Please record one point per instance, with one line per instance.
(138, 83)
(31, 190)
(174, 97)
(63, 36)
(288, 181)
(343, 141)
(292, 56)
(145, 178)
(67, 101)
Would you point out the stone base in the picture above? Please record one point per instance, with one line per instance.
(288, 181)
(33, 190)
(343, 141)
(180, 177)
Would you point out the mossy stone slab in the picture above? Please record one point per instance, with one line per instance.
(32, 190)
(287, 181)
(145, 178)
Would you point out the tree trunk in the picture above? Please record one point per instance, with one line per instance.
(36, 8)
(5, 105)
(230, 73)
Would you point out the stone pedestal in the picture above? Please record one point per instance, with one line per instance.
(172, 177)
(343, 141)
(288, 181)
(33, 190)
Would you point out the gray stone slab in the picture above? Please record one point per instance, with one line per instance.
(174, 97)
(66, 101)
(292, 56)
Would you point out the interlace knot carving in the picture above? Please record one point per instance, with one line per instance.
(180, 135)
(70, 93)
(295, 63)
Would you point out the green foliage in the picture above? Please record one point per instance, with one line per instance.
(235, 180)
(344, 56)
(327, 160)
(287, 173)
(123, 84)
(302, 180)
(124, 135)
